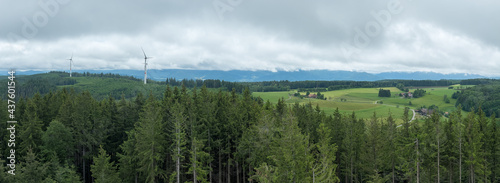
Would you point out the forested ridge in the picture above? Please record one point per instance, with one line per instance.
(484, 97)
(197, 135)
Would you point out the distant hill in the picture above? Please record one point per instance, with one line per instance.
(100, 86)
(426, 76)
(255, 76)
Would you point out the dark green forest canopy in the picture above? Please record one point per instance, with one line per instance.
(203, 135)
(485, 97)
(384, 93)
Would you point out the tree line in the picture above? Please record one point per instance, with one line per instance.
(484, 97)
(384, 93)
(203, 136)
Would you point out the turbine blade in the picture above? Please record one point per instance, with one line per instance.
(71, 56)
(144, 53)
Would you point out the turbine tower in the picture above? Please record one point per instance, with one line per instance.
(145, 65)
(70, 63)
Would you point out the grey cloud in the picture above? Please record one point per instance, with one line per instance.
(444, 36)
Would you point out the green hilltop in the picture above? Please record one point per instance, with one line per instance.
(99, 85)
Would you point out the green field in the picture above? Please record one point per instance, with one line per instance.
(365, 101)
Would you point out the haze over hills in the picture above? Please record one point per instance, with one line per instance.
(255, 76)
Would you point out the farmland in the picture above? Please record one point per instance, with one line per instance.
(365, 101)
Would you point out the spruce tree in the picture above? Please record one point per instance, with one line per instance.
(32, 170)
(373, 145)
(456, 116)
(494, 149)
(390, 156)
(405, 143)
(450, 151)
(31, 130)
(324, 167)
(179, 139)
(472, 148)
(291, 153)
(66, 173)
(199, 158)
(199, 161)
(59, 140)
(129, 159)
(150, 140)
(103, 170)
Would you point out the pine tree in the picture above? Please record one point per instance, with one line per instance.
(265, 174)
(337, 135)
(459, 127)
(390, 156)
(66, 174)
(125, 118)
(150, 140)
(111, 126)
(494, 149)
(484, 153)
(430, 148)
(325, 167)
(32, 170)
(139, 103)
(84, 130)
(437, 122)
(205, 114)
(103, 170)
(199, 158)
(419, 134)
(66, 110)
(405, 143)
(129, 159)
(179, 139)
(257, 142)
(31, 130)
(373, 145)
(41, 110)
(352, 145)
(450, 152)
(199, 161)
(59, 140)
(472, 148)
(290, 154)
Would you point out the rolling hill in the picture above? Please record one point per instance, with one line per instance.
(256, 76)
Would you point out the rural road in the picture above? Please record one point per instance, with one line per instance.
(412, 118)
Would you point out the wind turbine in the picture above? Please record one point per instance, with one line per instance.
(70, 63)
(145, 65)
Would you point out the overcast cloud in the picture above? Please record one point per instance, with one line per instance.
(444, 36)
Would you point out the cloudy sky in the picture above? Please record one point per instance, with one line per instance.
(373, 36)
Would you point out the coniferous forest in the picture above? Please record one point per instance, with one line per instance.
(200, 135)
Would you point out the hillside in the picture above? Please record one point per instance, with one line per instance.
(99, 85)
(364, 101)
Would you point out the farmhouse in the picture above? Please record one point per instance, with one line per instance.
(425, 112)
(406, 95)
(312, 95)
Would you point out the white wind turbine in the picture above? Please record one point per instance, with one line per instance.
(70, 63)
(145, 65)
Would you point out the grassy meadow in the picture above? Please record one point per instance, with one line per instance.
(365, 101)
